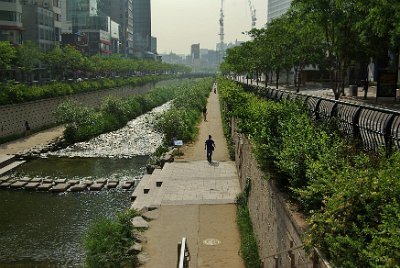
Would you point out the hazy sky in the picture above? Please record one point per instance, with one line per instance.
(178, 24)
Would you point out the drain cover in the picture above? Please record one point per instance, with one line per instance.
(211, 242)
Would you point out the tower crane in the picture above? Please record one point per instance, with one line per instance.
(253, 14)
(221, 31)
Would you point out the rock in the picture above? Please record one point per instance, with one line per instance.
(139, 222)
(143, 257)
(138, 236)
(152, 214)
(135, 248)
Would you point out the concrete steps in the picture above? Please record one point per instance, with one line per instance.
(148, 193)
(6, 159)
(8, 163)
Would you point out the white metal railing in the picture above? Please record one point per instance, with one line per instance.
(183, 254)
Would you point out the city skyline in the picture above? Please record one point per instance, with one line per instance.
(178, 24)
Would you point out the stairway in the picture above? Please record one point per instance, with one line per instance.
(9, 162)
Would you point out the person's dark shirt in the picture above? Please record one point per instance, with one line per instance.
(210, 144)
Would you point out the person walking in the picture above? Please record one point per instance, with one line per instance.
(205, 113)
(209, 146)
(27, 129)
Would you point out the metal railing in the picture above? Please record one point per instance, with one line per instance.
(183, 254)
(376, 128)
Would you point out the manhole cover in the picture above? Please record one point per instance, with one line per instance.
(211, 242)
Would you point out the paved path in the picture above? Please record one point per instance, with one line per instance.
(37, 139)
(197, 203)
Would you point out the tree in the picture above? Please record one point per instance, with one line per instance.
(308, 48)
(73, 60)
(29, 58)
(55, 60)
(7, 54)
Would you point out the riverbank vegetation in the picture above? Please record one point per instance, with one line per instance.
(351, 199)
(83, 123)
(181, 120)
(248, 240)
(108, 242)
(11, 93)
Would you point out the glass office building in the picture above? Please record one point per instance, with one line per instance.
(276, 8)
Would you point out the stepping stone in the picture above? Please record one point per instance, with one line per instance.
(5, 184)
(4, 179)
(87, 182)
(47, 181)
(112, 184)
(61, 187)
(139, 222)
(126, 184)
(73, 182)
(25, 179)
(78, 187)
(103, 181)
(60, 181)
(44, 187)
(18, 184)
(36, 180)
(31, 185)
(96, 186)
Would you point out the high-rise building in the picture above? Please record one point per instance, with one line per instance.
(11, 21)
(92, 29)
(42, 22)
(276, 8)
(121, 11)
(153, 45)
(141, 28)
(195, 51)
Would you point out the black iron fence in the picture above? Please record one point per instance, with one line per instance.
(376, 128)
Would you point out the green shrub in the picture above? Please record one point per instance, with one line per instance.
(249, 247)
(352, 199)
(107, 242)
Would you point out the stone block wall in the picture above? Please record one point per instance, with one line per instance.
(277, 227)
(40, 113)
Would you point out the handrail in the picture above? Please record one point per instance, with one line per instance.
(373, 127)
(183, 254)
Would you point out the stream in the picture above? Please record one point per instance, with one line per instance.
(43, 229)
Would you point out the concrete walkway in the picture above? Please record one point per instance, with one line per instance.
(27, 143)
(196, 202)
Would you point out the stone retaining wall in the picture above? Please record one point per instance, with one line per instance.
(278, 228)
(39, 114)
